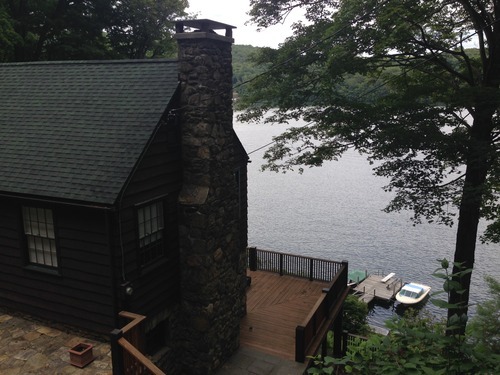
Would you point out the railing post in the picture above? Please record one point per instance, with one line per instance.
(299, 344)
(337, 334)
(117, 352)
(311, 269)
(324, 348)
(344, 342)
(252, 258)
(281, 264)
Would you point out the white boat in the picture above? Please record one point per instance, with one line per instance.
(412, 293)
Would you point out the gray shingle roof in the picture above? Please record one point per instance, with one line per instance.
(75, 130)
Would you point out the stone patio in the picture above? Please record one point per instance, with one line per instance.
(27, 346)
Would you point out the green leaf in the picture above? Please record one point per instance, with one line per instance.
(450, 285)
(440, 276)
(313, 370)
(440, 303)
(444, 263)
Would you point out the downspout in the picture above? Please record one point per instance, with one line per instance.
(112, 258)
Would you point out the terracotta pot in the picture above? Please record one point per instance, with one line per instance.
(81, 355)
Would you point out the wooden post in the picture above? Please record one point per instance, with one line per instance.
(324, 347)
(299, 344)
(281, 264)
(117, 352)
(337, 334)
(311, 269)
(344, 342)
(252, 258)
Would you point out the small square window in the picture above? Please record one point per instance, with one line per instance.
(150, 222)
(40, 236)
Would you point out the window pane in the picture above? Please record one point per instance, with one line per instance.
(34, 221)
(150, 222)
(40, 236)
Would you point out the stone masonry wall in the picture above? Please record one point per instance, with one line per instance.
(212, 230)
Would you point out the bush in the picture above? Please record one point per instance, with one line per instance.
(355, 316)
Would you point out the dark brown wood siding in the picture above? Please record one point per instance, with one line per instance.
(158, 177)
(80, 294)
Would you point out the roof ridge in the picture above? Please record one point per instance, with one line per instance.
(90, 62)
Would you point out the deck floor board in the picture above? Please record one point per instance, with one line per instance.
(276, 305)
(372, 287)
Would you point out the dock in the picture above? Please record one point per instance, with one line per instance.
(379, 287)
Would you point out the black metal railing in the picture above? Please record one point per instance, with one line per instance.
(292, 265)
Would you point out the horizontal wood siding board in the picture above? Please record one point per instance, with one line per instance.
(158, 176)
(83, 240)
(61, 312)
(102, 325)
(167, 172)
(9, 246)
(82, 293)
(80, 260)
(73, 267)
(93, 301)
(10, 262)
(151, 288)
(159, 172)
(161, 186)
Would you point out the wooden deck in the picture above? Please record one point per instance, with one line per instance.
(275, 306)
(374, 288)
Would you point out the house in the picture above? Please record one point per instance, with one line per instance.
(123, 187)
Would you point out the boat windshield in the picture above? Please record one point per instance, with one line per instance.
(412, 293)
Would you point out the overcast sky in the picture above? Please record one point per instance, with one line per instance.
(234, 13)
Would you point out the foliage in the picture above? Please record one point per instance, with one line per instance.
(143, 28)
(417, 344)
(322, 365)
(355, 316)
(244, 69)
(8, 37)
(439, 159)
(69, 30)
(484, 328)
(452, 282)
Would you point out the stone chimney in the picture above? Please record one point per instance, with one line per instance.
(213, 223)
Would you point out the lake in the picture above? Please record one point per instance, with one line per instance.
(335, 212)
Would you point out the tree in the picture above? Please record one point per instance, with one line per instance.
(99, 29)
(429, 118)
(484, 328)
(143, 28)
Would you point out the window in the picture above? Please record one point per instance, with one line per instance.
(150, 221)
(40, 237)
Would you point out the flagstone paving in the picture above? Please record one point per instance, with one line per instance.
(31, 347)
(27, 347)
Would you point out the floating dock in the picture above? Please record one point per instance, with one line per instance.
(378, 287)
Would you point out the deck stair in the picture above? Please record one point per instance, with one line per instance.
(378, 287)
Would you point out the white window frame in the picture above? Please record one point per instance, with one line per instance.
(40, 236)
(150, 223)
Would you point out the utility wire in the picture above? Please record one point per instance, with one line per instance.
(385, 82)
(291, 58)
(321, 41)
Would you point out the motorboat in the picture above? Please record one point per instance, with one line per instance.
(412, 293)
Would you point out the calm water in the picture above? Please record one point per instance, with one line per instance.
(335, 212)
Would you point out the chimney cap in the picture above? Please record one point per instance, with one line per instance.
(204, 25)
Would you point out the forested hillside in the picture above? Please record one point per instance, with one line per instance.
(243, 68)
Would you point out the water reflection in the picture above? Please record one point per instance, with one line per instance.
(335, 212)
